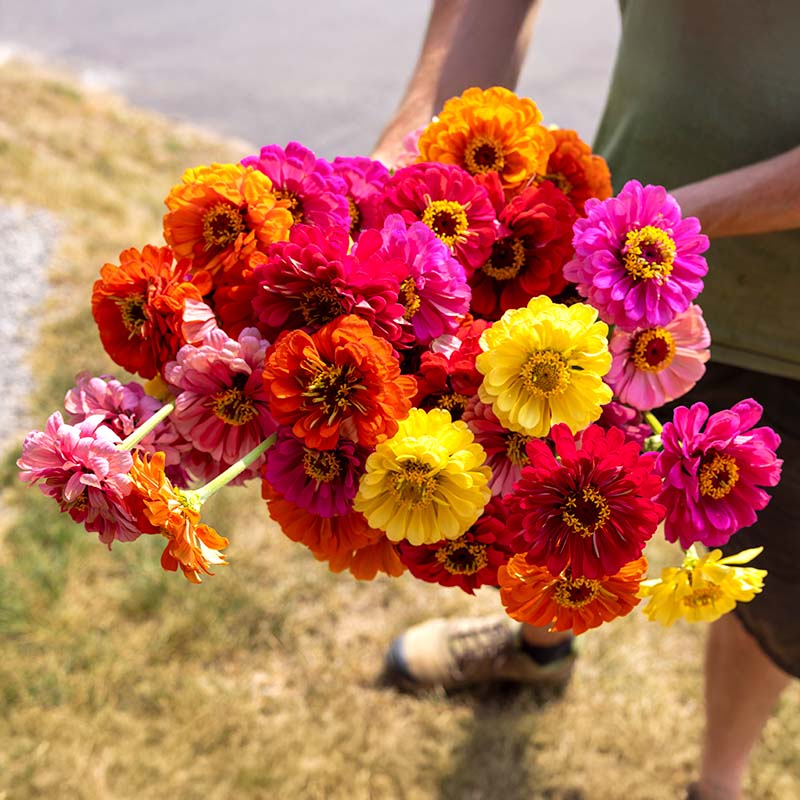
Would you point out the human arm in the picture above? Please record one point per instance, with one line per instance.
(759, 198)
(467, 43)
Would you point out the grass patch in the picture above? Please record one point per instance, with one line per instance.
(120, 681)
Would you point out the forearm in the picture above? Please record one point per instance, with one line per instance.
(759, 198)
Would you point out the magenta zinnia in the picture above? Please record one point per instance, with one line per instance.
(364, 178)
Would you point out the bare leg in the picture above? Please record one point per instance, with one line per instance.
(742, 687)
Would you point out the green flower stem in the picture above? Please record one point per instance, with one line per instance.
(653, 422)
(224, 478)
(131, 441)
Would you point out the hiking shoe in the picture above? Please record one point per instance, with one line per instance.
(454, 653)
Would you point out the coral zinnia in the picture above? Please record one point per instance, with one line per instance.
(653, 366)
(427, 482)
(713, 469)
(342, 380)
(562, 602)
(636, 260)
(543, 364)
(450, 202)
(703, 588)
(489, 130)
(221, 214)
(592, 509)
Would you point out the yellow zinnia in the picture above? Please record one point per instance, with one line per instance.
(543, 364)
(703, 588)
(427, 482)
(490, 130)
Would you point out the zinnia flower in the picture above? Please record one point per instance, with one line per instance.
(652, 366)
(342, 380)
(427, 482)
(364, 178)
(703, 588)
(714, 468)
(221, 214)
(489, 130)
(309, 186)
(592, 509)
(636, 260)
(471, 560)
(532, 594)
(630, 421)
(450, 202)
(543, 364)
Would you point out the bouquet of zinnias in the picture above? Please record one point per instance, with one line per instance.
(418, 367)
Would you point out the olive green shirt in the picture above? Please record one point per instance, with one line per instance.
(702, 87)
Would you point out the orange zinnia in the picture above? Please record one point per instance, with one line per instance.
(222, 213)
(340, 380)
(532, 594)
(489, 130)
(174, 514)
(574, 169)
(138, 307)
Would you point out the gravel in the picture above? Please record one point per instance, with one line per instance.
(27, 239)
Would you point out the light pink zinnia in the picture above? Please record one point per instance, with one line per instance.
(713, 469)
(653, 366)
(636, 260)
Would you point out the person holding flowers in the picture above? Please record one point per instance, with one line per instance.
(699, 102)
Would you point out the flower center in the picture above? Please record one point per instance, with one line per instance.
(447, 219)
(233, 407)
(483, 154)
(323, 466)
(703, 596)
(409, 297)
(648, 253)
(653, 350)
(462, 558)
(575, 592)
(131, 309)
(586, 511)
(516, 444)
(506, 260)
(291, 202)
(560, 180)
(321, 305)
(414, 484)
(332, 388)
(718, 474)
(355, 216)
(452, 402)
(545, 374)
(222, 224)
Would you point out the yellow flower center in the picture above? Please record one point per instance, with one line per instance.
(131, 309)
(453, 401)
(323, 466)
(321, 305)
(506, 260)
(222, 224)
(483, 154)
(653, 350)
(586, 511)
(575, 592)
(447, 219)
(81, 502)
(560, 180)
(332, 388)
(649, 252)
(515, 449)
(291, 202)
(704, 596)
(414, 484)
(545, 374)
(355, 216)
(462, 558)
(233, 407)
(409, 297)
(718, 474)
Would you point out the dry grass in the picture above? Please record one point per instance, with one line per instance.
(120, 681)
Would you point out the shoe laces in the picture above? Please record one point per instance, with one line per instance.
(478, 644)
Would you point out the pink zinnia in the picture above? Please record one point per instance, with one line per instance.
(629, 420)
(314, 193)
(713, 475)
(365, 179)
(221, 405)
(322, 482)
(450, 202)
(80, 467)
(653, 366)
(636, 260)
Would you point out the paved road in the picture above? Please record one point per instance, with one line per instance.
(327, 73)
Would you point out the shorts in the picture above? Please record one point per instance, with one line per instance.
(773, 616)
